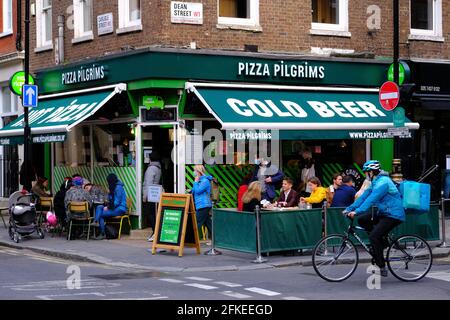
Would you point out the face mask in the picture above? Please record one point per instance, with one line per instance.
(257, 162)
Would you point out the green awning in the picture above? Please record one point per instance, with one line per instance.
(294, 108)
(59, 114)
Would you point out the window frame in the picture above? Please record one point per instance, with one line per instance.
(41, 31)
(253, 21)
(79, 11)
(425, 34)
(126, 25)
(7, 16)
(340, 28)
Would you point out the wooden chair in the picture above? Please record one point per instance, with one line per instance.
(119, 219)
(82, 216)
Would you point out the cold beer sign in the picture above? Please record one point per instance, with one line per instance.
(389, 95)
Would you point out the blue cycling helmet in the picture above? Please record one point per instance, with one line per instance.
(371, 165)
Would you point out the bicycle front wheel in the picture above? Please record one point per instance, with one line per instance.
(409, 258)
(335, 258)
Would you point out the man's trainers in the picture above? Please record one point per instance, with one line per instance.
(95, 224)
(150, 239)
(101, 236)
(383, 272)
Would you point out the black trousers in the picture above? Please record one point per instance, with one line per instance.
(378, 228)
(149, 215)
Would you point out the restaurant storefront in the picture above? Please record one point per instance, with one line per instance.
(111, 113)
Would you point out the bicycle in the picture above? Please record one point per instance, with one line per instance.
(335, 257)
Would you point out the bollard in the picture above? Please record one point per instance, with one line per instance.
(259, 258)
(212, 251)
(443, 243)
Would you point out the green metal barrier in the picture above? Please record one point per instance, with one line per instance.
(234, 230)
(425, 225)
(290, 230)
(280, 230)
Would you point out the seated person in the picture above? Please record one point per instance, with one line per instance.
(252, 197)
(344, 196)
(318, 193)
(40, 188)
(288, 197)
(117, 204)
(97, 192)
(58, 200)
(77, 194)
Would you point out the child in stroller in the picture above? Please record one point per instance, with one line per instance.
(22, 216)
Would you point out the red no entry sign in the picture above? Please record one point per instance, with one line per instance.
(389, 95)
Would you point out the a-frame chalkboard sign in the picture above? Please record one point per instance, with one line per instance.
(176, 224)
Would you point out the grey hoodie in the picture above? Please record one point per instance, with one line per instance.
(152, 177)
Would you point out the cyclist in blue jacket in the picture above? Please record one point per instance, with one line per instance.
(384, 194)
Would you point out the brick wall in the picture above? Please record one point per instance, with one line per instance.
(285, 28)
(8, 43)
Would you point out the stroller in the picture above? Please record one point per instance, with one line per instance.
(22, 216)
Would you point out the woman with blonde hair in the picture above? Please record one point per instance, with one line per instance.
(201, 190)
(252, 197)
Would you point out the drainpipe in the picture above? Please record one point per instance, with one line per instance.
(60, 41)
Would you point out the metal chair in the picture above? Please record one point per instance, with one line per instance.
(79, 216)
(119, 219)
(45, 204)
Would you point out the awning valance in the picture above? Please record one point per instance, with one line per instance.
(294, 108)
(61, 112)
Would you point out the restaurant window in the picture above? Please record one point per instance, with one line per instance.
(129, 15)
(238, 12)
(330, 15)
(426, 18)
(114, 145)
(75, 151)
(43, 23)
(6, 18)
(83, 18)
(8, 101)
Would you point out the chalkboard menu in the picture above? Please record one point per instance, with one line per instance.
(176, 223)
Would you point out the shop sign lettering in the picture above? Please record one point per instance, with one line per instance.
(291, 109)
(83, 74)
(281, 70)
(70, 113)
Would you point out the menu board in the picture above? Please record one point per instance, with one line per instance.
(171, 222)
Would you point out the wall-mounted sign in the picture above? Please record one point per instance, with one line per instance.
(105, 24)
(186, 12)
(17, 81)
(84, 74)
(153, 102)
(281, 69)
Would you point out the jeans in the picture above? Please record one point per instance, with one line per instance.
(101, 214)
(203, 217)
(378, 228)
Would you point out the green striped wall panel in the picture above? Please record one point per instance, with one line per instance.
(125, 174)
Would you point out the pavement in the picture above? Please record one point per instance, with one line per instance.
(136, 254)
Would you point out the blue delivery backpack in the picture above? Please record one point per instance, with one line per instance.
(415, 196)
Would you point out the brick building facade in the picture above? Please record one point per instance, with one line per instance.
(284, 27)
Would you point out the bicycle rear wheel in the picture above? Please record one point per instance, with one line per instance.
(409, 258)
(335, 258)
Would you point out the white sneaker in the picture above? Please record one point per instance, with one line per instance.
(150, 239)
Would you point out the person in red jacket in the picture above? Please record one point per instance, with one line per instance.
(242, 189)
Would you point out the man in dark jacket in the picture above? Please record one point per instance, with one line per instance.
(288, 197)
(345, 194)
(269, 176)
